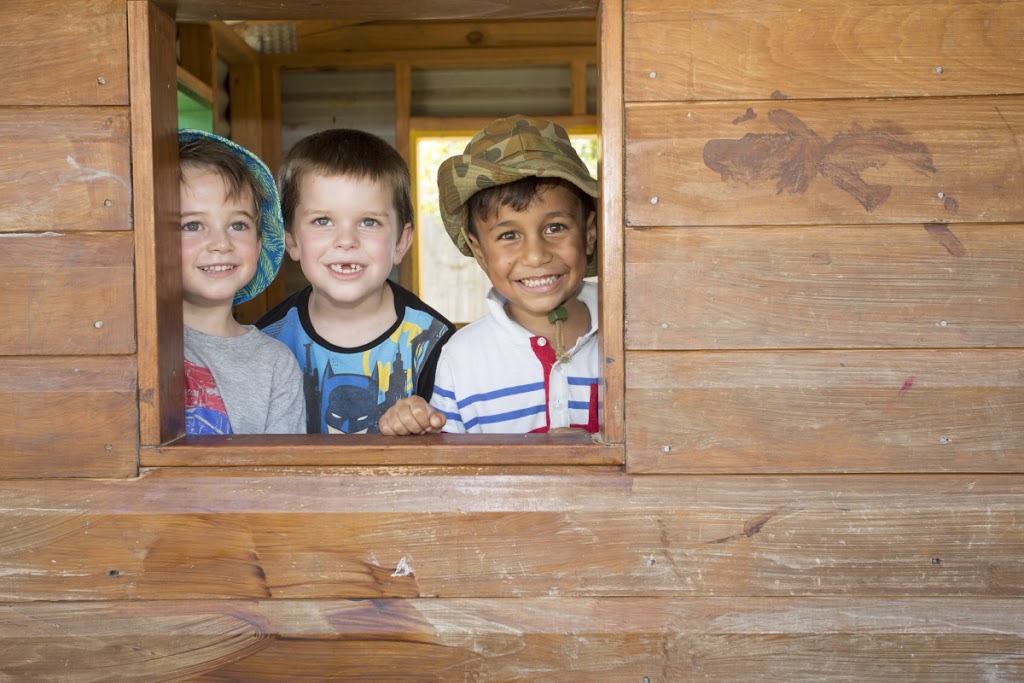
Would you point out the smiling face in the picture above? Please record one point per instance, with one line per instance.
(536, 258)
(220, 241)
(346, 235)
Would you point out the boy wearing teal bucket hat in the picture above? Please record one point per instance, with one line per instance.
(237, 379)
(521, 201)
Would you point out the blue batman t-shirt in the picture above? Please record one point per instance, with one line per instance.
(347, 390)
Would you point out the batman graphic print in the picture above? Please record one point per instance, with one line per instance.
(347, 390)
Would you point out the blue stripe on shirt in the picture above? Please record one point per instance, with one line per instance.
(579, 405)
(504, 417)
(444, 393)
(582, 381)
(500, 393)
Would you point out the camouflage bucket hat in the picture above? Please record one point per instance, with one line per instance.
(508, 150)
(271, 222)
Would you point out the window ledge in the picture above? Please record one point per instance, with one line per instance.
(562, 448)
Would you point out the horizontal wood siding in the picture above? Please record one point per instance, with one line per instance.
(63, 53)
(839, 411)
(64, 169)
(713, 50)
(68, 372)
(67, 417)
(268, 534)
(930, 160)
(67, 294)
(441, 639)
(912, 286)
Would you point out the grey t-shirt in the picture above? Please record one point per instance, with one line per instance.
(257, 378)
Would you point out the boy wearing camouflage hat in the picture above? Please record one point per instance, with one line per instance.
(237, 379)
(521, 202)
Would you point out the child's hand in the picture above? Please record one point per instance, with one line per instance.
(411, 415)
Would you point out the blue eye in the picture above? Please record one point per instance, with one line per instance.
(369, 223)
(191, 226)
(239, 226)
(322, 221)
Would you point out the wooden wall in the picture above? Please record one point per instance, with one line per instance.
(68, 399)
(820, 358)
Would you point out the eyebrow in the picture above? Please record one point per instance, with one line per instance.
(548, 216)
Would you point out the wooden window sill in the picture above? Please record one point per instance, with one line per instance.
(563, 448)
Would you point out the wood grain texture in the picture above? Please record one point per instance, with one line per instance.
(67, 417)
(389, 10)
(67, 294)
(436, 59)
(912, 286)
(154, 157)
(849, 162)
(611, 244)
(855, 411)
(64, 169)
(59, 53)
(708, 50)
(565, 448)
(548, 638)
(321, 536)
(333, 36)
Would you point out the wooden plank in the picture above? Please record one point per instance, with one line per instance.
(408, 275)
(59, 53)
(611, 246)
(920, 286)
(333, 36)
(435, 59)
(247, 130)
(203, 10)
(64, 169)
(67, 294)
(198, 54)
(612, 639)
(68, 417)
(851, 162)
(708, 50)
(575, 448)
(323, 536)
(893, 411)
(231, 46)
(193, 85)
(154, 156)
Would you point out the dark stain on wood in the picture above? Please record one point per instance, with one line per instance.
(951, 204)
(941, 233)
(777, 95)
(745, 116)
(751, 528)
(798, 154)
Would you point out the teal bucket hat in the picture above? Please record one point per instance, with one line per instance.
(271, 221)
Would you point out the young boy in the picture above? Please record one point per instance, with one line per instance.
(521, 201)
(237, 379)
(362, 342)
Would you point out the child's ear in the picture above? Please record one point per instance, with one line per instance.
(591, 232)
(291, 246)
(403, 243)
(474, 246)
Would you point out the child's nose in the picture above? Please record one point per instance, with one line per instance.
(346, 237)
(535, 251)
(220, 240)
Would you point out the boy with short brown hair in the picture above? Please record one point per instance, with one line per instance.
(362, 341)
(521, 202)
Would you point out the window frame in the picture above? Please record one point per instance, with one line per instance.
(153, 104)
